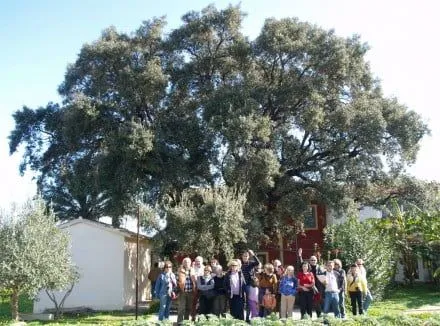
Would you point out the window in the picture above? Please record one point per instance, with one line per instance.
(311, 218)
(263, 257)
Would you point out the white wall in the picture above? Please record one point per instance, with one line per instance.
(369, 212)
(423, 273)
(99, 254)
(365, 212)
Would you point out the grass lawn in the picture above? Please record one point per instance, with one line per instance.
(402, 299)
(107, 318)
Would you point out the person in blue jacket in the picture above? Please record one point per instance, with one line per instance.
(164, 290)
(288, 288)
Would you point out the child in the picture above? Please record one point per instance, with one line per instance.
(269, 302)
(253, 298)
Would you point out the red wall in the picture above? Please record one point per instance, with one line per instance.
(305, 241)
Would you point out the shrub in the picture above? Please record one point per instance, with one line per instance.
(153, 307)
(354, 239)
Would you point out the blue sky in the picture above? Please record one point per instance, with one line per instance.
(39, 39)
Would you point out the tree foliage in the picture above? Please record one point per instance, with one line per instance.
(34, 253)
(294, 116)
(354, 239)
(208, 221)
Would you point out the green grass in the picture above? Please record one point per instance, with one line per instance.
(109, 318)
(403, 298)
(104, 318)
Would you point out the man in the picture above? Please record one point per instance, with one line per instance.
(153, 275)
(198, 266)
(316, 270)
(331, 288)
(186, 281)
(214, 264)
(363, 272)
(247, 268)
(342, 285)
(198, 269)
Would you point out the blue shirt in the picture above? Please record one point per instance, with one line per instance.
(288, 285)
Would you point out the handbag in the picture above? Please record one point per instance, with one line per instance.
(174, 295)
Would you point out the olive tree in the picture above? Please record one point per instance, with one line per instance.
(34, 252)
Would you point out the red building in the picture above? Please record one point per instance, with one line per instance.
(310, 242)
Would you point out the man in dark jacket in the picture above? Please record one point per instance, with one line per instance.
(248, 263)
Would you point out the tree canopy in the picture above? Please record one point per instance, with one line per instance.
(294, 116)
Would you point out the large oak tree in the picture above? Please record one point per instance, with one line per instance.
(293, 116)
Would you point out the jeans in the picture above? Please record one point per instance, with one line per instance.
(153, 286)
(342, 303)
(248, 308)
(164, 306)
(367, 300)
(331, 301)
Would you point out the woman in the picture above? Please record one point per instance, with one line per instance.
(306, 284)
(164, 288)
(235, 289)
(219, 304)
(356, 289)
(205, 285)
(267, 280)
(288, 287)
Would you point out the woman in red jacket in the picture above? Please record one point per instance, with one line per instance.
(306, 283)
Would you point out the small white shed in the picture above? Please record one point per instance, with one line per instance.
(106, 260)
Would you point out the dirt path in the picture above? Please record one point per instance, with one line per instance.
(433, 309)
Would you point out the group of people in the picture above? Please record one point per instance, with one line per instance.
(323, 289)
(249, 289)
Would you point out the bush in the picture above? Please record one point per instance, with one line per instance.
(354, 239)
(153, 307)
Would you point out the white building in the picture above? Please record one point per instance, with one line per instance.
(106, 260)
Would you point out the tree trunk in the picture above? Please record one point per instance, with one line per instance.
(14, 304)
